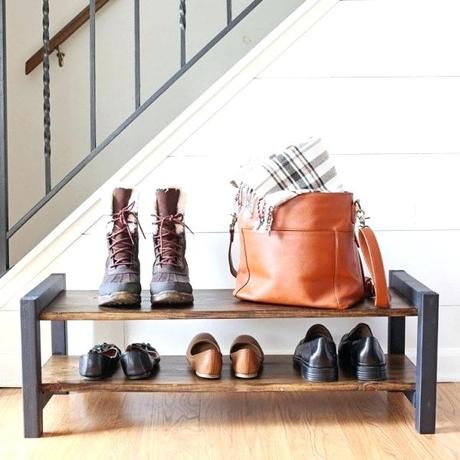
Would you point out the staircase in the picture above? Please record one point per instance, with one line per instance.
(134, 81)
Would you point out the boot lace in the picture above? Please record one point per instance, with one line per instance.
(121, 241)
(166, 241)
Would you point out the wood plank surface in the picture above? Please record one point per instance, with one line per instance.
(209, 304)
(60, 373)
(320, 425)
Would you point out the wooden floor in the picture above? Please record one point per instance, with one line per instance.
(335, 425)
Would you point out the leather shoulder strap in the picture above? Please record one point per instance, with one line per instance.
(373, 258)
(232, 237)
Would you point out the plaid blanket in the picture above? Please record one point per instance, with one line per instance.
(267, 184)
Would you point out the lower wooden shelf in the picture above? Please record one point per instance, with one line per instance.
(60, 374)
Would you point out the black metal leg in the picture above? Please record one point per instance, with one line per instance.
(397, 342)
(410, 395)
(34, 400)
(427, 354)
(427, 302)
(396, 335)
(59, 337)
(59, 341)
(31, 370)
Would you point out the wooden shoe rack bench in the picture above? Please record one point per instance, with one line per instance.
(50, 301)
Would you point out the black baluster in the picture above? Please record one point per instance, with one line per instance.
(182, 25)
(229, 11)
(92, 72)
(46, 95)
(4, 245)
(137, 56)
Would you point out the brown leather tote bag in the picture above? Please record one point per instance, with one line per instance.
(310, 258)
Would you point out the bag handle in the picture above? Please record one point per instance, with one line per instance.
(373, 259)
(232, 237)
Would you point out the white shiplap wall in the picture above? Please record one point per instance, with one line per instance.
(379, 81)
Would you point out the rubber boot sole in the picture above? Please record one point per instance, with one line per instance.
(119, 299)
(171, 298)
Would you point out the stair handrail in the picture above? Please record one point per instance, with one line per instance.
(60, 37)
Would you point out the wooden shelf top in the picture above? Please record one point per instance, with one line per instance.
(209, 304)
(60, 374)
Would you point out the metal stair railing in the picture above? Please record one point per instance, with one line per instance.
(96, 146)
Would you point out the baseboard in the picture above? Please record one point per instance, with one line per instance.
(10, 376)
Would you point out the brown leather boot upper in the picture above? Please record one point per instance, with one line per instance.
(121, 244)
(122, 270)
(170, 279)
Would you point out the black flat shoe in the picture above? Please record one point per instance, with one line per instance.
(139, 361)
(361, 354)
(100, 362)
(316, 355)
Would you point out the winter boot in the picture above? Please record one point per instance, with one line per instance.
(170, 282)
(121, 284)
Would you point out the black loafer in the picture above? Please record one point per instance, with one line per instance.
(361, 354)
(100, 362)
(139, 360)
(316, 355)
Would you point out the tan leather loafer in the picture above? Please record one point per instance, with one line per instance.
(246, 356)
(204, 356)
